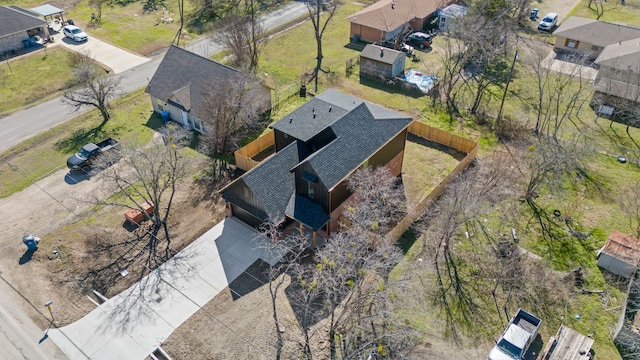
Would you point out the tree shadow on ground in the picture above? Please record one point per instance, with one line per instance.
(392, 89)
(81, 137)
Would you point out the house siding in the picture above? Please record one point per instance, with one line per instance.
(13, 41)
(321, 195)
(366, 33)
(615, 265)
(282, 140)
(581, 48)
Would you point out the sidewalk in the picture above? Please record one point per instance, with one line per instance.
(134, 323)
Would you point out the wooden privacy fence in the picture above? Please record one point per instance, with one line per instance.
(244, 156)
(448, 139)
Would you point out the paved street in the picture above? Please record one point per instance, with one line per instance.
(24, 124)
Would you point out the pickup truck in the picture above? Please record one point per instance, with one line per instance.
(84, 158)
(516, 338)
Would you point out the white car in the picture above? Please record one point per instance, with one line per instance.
(74, 33)
(549, 22)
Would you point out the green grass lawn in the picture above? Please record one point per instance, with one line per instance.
(32, 78)
(132, 118)
(614, 11)
(129, 26)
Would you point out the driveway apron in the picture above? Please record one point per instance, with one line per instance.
(132, 324)
(114, 58)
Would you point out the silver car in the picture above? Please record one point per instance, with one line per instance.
(74, 33)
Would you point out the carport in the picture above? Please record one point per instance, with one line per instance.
(48, 10)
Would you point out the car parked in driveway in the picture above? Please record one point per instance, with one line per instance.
(74, 33)
(549, 22)
(419, 40)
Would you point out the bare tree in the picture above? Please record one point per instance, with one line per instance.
(560, 94)
(150, 174)
(234, 106)
(342, 295)
(316, 9)
(548, 163)
(630, 204)
(241, 35)
(93, 86)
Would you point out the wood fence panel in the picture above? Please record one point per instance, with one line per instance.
(445, 138)
(244, 156)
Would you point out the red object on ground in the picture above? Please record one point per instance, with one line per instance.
(136, 216)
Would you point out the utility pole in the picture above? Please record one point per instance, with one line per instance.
(506, 88)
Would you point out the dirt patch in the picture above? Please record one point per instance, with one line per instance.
(56, 209)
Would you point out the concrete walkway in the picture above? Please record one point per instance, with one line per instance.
(134, 323)
(557, 64)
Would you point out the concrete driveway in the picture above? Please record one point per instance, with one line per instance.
(134, 323)
(117, 60)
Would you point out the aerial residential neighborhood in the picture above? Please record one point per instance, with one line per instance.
(392, 179)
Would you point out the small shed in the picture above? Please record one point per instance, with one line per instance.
(48, 10)
(620, 255)
(568, 344)
(450, 12)
(380, 62)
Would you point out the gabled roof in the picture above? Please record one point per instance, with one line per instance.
(183, 76)
(360, 128)
(271, 181)
(383, 17)
(14, 20)
(623, 247)
(599, 33)
(359, 135)
(381, 54)
(624, 55)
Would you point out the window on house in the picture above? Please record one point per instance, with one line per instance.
(196, 124)
(311, 190)
(572, 44)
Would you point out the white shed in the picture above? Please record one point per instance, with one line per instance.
(620, 255)
(450, 12)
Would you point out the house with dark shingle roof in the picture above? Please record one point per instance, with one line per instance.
(385, 19)
(317, 147)
(180, 85)
(379, 62)
(18, 24)
(615, 49)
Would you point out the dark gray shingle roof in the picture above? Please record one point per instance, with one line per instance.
(307, 212)
(182, 69)
(359, 135)
(14, 20)
(271, 182)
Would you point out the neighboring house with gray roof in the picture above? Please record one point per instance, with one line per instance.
(179, 86)
(617, 86)
(381, 63)
(588, 36)
(615, 49)
(18, 24)
(318, 146)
